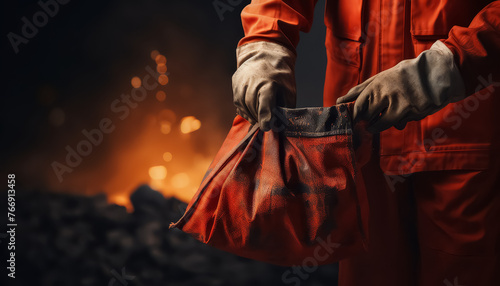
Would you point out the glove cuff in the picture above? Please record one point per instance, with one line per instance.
(447, 56)
(269, 51)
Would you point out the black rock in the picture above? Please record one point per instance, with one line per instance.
(78, 240)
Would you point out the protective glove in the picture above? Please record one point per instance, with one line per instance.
(409, 91)
(264, 79)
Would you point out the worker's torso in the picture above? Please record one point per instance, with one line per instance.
(365, 37)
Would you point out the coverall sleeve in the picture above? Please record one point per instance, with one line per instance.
(278, 21)
(477, 48)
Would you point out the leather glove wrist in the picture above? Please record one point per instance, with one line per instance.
(409, 91)
(264, 79)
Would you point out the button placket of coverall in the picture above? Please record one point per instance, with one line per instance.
(393, 49)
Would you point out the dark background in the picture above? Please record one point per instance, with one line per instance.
(64, 79)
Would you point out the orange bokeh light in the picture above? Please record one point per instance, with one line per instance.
(163, 79)
(158, 172)
(165, 127)
(167, 156)
(161, 68)
(154, 54)
(190, 124)
(160, 59)
(136, 82)
(161, 95)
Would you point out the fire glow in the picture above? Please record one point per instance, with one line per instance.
(156, 145)
(190, 124)
(180, 184)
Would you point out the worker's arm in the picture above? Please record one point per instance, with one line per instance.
(277, 21)
(265, 77)
(448, 72)
(476, 49)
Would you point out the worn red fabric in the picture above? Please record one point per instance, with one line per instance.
(287, 195)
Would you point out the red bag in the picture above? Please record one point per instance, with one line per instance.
(286, 195)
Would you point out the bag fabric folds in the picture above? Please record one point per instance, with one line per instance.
(288, 195)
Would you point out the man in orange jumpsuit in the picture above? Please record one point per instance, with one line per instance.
(425, 75)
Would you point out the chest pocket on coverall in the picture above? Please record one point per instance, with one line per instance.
(465, 126)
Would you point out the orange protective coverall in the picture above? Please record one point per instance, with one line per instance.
(434, 187)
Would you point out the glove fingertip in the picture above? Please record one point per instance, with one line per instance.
(340, 101)
(400, 126)
(356, 113)
(265, 125)
(344, 99)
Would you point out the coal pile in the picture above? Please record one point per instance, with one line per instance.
(79, 240)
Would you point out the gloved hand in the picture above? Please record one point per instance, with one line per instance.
(411, 90)
(264, 79)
